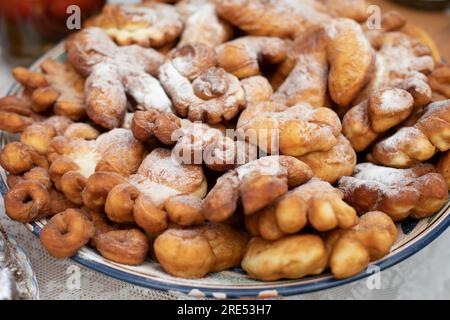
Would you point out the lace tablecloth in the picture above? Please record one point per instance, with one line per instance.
(426, 275)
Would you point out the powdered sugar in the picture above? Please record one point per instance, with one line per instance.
(395, 100)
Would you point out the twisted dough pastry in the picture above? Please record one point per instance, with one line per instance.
(255, 185)
(199, 90)
(303, 75)
(243, 55)
(142, 197)
(279, 18)
(300, 129)
(201, 23)
(147, 24)
(316, 203)
(58, 86)
(416, 192)
(112, 72)
(350, 251)
(419, 142)
(292, 257)
(385, 109)
(194, 143)
(73, 161)
(194, 252)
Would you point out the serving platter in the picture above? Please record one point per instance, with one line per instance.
(414, 235)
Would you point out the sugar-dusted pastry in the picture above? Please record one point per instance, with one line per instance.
(142, 197)
(419, 142)
(297, 130)
(73, 161)
(194, 143)
(112, 73)
(333, 164)
(17, 158)
(350, 251)
(255, 185)
(439, 80)
(305, 71)
(351, 59)
(66, 233)
(390, 21)
(443, 167)
(58, 86)
(385, 109)
(243, 56)
(292, 257)
(401, 62)
(352, 9)
(279, 18)
(416, 192)
(201, 23)
(199, 90)
(148, 24)
(315, 202)
(197, 251)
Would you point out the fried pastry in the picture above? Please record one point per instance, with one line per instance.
(292, 257)
(333, 164)
(73, 161)
(199, 90)
(242, 56)
(147, 24)
(255, 185)
(202, 24)
(197, 251)
(58, 86)
(350, 251)
(416, 192)
(413, 144)
(385, 109)
(194, 143)
(350, 69)
(112, 72)
(297, 130)
(142, 198)
(279, 18)
(16, 114)
(439, 80)
(316, 203)
(304, 72)
(443, 167)
(352, 9)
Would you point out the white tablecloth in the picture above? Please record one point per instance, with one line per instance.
(425, 275)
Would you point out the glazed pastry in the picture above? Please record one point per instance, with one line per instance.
(199, 90)
(112, 72)
(292, 257)
(195, 252)
(413, 144)
(201, 23)
(351, 250)
(385, 109)
(417, 192)
(298, 130)
(316, 203)
(255, 185)
(141, 199)
(242, 56)
(58, 86)
(147, 24)
(73, 161)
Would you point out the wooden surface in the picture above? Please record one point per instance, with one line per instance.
(435, 23)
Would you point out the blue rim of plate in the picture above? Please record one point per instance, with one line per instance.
(420, 241)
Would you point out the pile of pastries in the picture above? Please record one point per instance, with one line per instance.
(352, 127)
